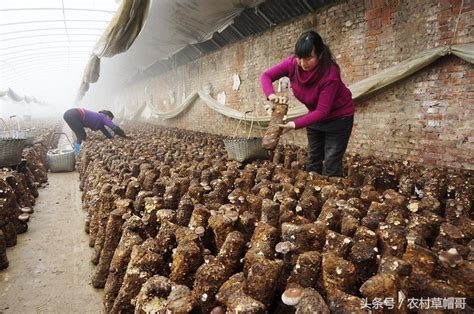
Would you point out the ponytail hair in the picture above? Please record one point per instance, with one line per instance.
(107, 113)
(310, 42)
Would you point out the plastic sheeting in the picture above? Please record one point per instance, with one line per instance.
(45, 45)
(118, 37)
(18, 98)
(408, 67)
(26, 110)
(123, 29)
(171, 25)
(92, 70)
(359, 90)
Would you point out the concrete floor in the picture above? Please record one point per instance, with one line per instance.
(50, 266)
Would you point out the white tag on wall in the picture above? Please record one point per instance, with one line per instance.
(236, 84)
(221, 97)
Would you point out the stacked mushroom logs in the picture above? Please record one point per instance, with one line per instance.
(18, 190)
(180, 227)
(273, 131)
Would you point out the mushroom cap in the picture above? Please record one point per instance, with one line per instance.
(291, 296)
(450, 257)
(24, 217)
(200, 230)
(26, 210)
(283, 247)
(232, 215)
(411, 237)
(218, 310)
(341, 203)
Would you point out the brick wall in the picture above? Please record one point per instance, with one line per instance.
(426, 117)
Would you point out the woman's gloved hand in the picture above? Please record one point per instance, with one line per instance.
(287, 127)
(269, 107)
(282, 100)
(117, 130)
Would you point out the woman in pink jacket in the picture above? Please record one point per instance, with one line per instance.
(316, 82)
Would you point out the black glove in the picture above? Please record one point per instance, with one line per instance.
(119, 131)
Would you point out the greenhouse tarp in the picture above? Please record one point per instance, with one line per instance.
(123, 29)
(12, 95)
(408, 67)
(359, 90)
(171, 25)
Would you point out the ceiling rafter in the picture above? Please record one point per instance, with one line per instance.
(30, 74)
(50, 29)
(48, 35)
(58, 9)
(43, 48)
(52, 21)
(77, 68)
(43, 63)
(42, 55)
(47, 42)
(46, 60)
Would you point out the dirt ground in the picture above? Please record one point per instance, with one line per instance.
(50, 266)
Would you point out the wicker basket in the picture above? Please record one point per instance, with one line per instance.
(11, 147)
(10, 150)
(60, 160)
(26, 133)
(245, 148)
(30, 138)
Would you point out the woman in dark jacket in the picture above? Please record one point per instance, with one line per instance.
(79, 118)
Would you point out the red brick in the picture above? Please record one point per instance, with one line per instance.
(445, 4)
(435, 149)
(394, 5)
(371, 45)
(391, 124)
(434, 117)
(377, 3)
(374, 13)
(386, 16)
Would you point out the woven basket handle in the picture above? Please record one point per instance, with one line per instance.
(244, 117)
(58, 133)
(238, 125)
(258, 122)
(5, 125)
(17, 121)
(251, 122)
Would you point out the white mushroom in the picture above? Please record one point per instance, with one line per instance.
(284, 247)
(24, 217)
(292, 296)
(200, 231)
(26, 210)
(411, 237)
(218, 310)
(413, 207)
(341, 203)
(450, 257)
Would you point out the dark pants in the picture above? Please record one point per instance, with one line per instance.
(74, 120)
(327, 143)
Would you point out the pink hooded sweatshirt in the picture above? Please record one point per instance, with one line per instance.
(326, 99)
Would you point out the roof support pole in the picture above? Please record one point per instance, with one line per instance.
(307, 5)
(232, 26)
(258, 12)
